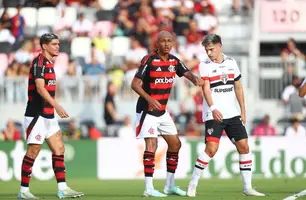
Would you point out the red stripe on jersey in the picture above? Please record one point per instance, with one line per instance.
(161, 74)
(205, 78)
(160, 96)
(145, 59)
(214, 78)
(49, 65)
(50, 76)
(231, 75)
(50, 87)
(30, 76)
(164, 63)
(202, 162)
(160, 86)
(48, 110)
(40, 60)
(30, 98)
(245, 162)
(31, 87)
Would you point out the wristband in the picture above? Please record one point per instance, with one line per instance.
(212, 108)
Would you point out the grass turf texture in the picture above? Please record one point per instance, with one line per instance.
(209, 189)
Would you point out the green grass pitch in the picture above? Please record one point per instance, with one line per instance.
(208, 189)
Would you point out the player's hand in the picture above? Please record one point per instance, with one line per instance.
(217, 115)
(199, 82)
(154, 104)
(60, 111)
(243, 118)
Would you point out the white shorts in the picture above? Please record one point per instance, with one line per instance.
(39, 128)
(151, 126)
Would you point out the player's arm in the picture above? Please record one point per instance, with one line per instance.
(41, 90)
(136, 84)
(193, 78)
(240, 98)
(302, 90)
(182, 70)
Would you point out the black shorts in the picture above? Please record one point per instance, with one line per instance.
(233, 127)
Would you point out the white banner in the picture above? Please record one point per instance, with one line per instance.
(272, 157)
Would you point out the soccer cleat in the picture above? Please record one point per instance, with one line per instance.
(174, 190)
(26, 195)
(192, 190)
(153, 193)
(69, 193)
(252, 192)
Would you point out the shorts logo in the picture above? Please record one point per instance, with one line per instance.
(151, 131)
(38, 137)
(210, 131)
(224, 78)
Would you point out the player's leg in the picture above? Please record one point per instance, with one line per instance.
(238, 135)
(34, 127)
(146, 129)
(55, 142)
(213, 131)
(168, 131)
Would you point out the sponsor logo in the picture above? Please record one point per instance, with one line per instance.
(224, 77)
(221, 66)
(164, 80)
(51, 82)
(214, 71)
(230, 69)
(159, 69)
(223, 90)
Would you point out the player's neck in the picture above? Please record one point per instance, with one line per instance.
(48, 56)
(162, 56)
(220, 59)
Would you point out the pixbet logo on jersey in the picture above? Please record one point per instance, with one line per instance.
(51, 82)
(164, 80)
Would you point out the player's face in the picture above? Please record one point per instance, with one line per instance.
(213, 51)
(53, 47)
(165, 44)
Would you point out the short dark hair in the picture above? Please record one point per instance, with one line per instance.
(47, 38)
(211, 39)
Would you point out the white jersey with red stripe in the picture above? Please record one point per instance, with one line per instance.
(222, 77)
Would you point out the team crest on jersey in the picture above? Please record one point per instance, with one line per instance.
(224, 77)
(171, 68)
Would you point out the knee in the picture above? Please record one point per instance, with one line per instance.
(174, 146)
(60, 150)
(33, 151)
(151, 146)
(211, 150)
(243, 149)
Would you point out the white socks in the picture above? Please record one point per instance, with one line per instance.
(245, 165)
(169, 180)
(62, 186)
(149, 182)
(200, 165)
(24, 189)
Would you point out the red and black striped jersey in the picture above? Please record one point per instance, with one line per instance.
(37, 105)
(158, 77)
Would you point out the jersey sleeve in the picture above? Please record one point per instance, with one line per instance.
(141, 72)
(38, 71)
(181, 68)
(204, 71)
(237, 74)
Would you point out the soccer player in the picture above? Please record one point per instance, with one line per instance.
(221, 90)
(153, 82)
(39, 121)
